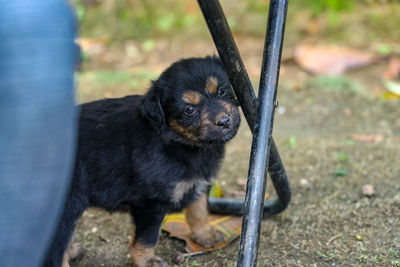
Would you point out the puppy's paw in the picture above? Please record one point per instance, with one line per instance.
(207, 236)
(75, 252)
(156, 261)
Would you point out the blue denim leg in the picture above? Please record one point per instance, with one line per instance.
(37, 124)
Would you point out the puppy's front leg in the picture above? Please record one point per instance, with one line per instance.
(147, 230)
(197, 217)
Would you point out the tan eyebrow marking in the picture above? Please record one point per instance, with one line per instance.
(192, 97)
(211, 85)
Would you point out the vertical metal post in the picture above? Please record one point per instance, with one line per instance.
(262, 134)
(240, 81)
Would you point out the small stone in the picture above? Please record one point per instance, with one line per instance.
(347, 111)
(281, 110)
(179, 258)
(368, 190)
(304, 182)
(94, 229)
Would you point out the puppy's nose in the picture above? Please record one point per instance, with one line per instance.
(225, 121)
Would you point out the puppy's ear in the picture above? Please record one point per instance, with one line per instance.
(216, 59)
(151, 107)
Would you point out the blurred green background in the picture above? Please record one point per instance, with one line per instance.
(335, 20)
(126, 43)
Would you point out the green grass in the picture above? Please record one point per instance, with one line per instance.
(335, 84)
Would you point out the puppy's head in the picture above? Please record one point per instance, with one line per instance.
(194, 101)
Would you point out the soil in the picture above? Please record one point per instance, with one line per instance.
(329, 222)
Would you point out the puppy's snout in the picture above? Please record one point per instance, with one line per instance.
(224, 121)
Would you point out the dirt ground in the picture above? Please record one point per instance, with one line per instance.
(329, 222)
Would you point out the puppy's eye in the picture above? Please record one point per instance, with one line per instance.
(221, 92)
(190, 110)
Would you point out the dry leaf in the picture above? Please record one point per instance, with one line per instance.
(367, 138)
(216, 191)
(393, 70)
(102, 238)
(390, 96)
(93, 45)
(392, 87)
(229, 226)
(329, 60)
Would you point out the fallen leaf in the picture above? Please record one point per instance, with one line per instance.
(216, 191)
(102, 238)
(392, 87)
(393, 70)
(331, 60)
(367, 138)
(368, 190)
(390, 96)
(358, 237)
(229, 226)
(93, 45)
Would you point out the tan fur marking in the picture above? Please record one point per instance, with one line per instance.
(184, 131)
(196, 214)
(227, 107)
(140, 253)
(206, 124)
(65, 262)
(180, 189)
(192, 97)
(68, 251)
(211, 85)
(200, 231)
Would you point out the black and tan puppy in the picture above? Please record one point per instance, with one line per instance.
(153, 154)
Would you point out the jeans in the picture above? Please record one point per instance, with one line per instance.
(38, 126)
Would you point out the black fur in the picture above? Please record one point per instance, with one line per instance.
(130, 158)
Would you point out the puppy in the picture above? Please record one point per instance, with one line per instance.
(153, 154)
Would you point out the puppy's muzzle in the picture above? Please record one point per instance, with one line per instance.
(223, 121)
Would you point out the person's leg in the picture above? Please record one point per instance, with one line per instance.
(37, 125)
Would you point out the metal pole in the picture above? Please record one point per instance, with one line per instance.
(240, 81)
(262, 134)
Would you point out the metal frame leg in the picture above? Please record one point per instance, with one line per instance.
(264, 154)
(240, 81)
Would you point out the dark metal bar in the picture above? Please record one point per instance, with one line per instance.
(230, 56)
(262, 134)
(262, 130)
(234, 206)
(240, 81)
